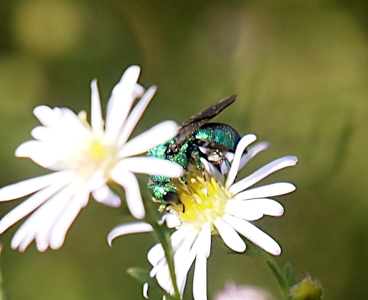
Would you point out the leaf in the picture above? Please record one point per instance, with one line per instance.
(289, 275)
(143, 276)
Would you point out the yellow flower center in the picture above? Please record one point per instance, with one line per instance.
(94, 154)
(203, 198)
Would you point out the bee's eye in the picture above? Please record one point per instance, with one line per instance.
(171, 198)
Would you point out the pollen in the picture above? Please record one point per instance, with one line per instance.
(203, 198)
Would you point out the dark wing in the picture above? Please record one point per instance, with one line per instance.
(188, 128)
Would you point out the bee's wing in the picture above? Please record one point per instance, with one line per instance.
(189, 127)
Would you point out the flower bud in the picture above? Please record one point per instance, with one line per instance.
(307, 289)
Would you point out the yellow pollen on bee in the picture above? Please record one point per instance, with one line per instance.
(203, 198)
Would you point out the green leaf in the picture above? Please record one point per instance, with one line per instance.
(142, 275)
(289, 275)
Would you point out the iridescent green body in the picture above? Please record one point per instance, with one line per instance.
(208, 138)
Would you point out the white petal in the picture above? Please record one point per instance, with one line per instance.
(243, 143)
(121, 101)
(253, 151)
(270, 190)
(212, 170)
(28, 206)
(132, 192)
(278, 164)
(182, 236)
(254, 234)
(150, 165)
(50, 213)
(68, 122)
(44, 114)
(41, 133)
(135, 115)
(230, 236)
(203, 242)
(184, 258)
(171, 220)
(155, 254)
(39, 152)
(29, 186)
(163, 276)
(145, 290)
(252, 210)
(156, 135)
(97, 122)
(106, 196)
(200, 278)
(138, 227)
(67, 216)
(38, 225)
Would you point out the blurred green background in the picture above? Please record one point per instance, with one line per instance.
(299, 69)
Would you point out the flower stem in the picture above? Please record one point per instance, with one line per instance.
(278, 276)
(164, 237)
(256, 251)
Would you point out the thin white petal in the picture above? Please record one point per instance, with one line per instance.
(155, 254)
(106, 196)
(150, 165)
(230, 236)
(254, 234)
(212, 170)
(97, 122)
(253, 151)
(203, 242)
(44, 114)
(184, 258)
(171, 220)
(28, 206)
(41, 153)
(135, 115)
(200, 278)
(50, 213)
(38, 225)
(41, 133)
(138, 227)
(145, 290)
(156, 135)
(270, 190)
(132, 192)
(67, 216)
(278, 164)
(29, 186)
(252, 210)
(243, 143)
(121, 101)
(163, 275)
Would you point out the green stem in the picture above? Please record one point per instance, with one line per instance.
(164, 238)
(278, 276)
(256, 251)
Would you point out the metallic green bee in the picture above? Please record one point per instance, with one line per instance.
(195, 139)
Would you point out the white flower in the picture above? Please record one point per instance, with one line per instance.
(85, 157)
(212, 205)
(242, 292)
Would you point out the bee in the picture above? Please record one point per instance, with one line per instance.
(195, 139)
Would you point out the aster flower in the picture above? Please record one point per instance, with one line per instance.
(242, 292)
(214, 204)
(85, 157)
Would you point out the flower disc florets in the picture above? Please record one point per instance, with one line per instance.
(93, 155)
(203, 198)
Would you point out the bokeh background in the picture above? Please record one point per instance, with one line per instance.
(299, 69)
